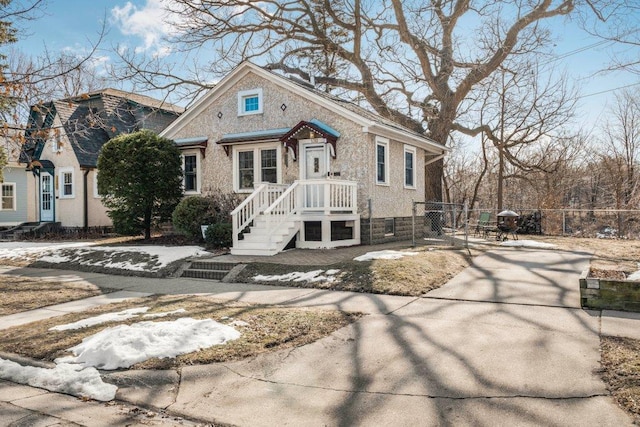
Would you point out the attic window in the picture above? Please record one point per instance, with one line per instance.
(250, 102)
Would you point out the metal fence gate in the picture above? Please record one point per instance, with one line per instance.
(439, 222)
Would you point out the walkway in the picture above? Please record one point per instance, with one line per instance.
(504, 342)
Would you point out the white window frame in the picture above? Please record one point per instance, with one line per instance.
(244, 94)
(196, 153)
(61, 174)
(56, 144)
(14, 197)
(393, 225)
(96, 194)
(257, 164)
(381, 142)
(414, 152)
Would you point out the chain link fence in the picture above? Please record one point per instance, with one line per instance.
(440, 223)
(593, 223)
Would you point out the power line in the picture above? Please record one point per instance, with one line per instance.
(608, 90)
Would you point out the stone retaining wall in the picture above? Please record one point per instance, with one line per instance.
(609, 294)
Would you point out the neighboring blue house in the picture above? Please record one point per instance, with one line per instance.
(18, 186)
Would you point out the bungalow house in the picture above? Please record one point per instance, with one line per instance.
(64, 139)
(18, 188)
(316, 170)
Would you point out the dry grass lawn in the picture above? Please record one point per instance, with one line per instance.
(410, 275)
(621, 372)
(19, 294)
(611, 254)
(267, 329)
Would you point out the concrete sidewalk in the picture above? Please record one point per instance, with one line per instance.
(503, 343)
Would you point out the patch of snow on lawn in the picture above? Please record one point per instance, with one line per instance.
(386, 254)
(634, 276)
(164, 314)
(296, 276)
(125, 345)
(64, 378)
(103, 318)
(527, 244)
(30, 250)
(112, 256)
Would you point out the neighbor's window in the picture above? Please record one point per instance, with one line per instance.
(250, 102)
(389, 226)
(409, 167)
(190, 173)
(96, 193)
(66, 184)
(382, 161)
(8, 196)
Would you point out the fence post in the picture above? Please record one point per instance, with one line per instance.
(454, 224)
(413, 223)
(564, 222)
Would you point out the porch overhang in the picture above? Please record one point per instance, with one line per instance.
(199, 142)
(270, 135)
(311, 129)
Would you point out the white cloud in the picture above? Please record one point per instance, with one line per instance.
(150, 23)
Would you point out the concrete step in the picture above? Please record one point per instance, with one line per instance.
(204, 274)
(254, 251)
(212, 265)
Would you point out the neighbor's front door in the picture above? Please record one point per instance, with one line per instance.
(315, 168)
(46, 197)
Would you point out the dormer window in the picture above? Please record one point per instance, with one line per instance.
(249, 102)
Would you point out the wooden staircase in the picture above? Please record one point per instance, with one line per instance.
(266, 221)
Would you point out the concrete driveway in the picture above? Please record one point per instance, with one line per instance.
(503, 343)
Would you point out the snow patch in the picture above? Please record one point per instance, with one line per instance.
(103, 318)
(64, 378)
(125, 345)
(527, 244)
(386, 254)
(297, 276)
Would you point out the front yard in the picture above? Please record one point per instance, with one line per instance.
(264, 329)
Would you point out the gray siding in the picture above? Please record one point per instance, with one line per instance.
(19, 177)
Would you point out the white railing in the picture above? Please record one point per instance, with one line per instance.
(279, 206)
(284, 208)
(329, 196)
(261, 198)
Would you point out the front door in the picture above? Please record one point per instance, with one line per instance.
(315, 168)
(46, 197)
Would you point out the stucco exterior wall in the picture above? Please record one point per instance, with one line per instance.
(69, 211)
(355, 150)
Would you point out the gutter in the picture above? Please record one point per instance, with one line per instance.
(85, 201)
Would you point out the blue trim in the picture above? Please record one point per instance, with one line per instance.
(325, 127)
(255, 134)
(190, 141)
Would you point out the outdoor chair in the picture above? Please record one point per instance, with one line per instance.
(483, 227)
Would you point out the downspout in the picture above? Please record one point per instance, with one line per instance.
(86, 199)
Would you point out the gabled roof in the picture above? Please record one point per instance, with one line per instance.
(89, 125)
(370, 122)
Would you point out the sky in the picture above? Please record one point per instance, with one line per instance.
(72, 25)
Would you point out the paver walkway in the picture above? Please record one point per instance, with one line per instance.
(503, 343)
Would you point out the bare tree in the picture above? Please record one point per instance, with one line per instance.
(619, 154)
(523, 109)
(414, 62)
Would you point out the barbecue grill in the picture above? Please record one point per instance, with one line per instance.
(507, 223)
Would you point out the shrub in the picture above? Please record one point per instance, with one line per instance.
(219, 235)
(140, 181)
(191, 213)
